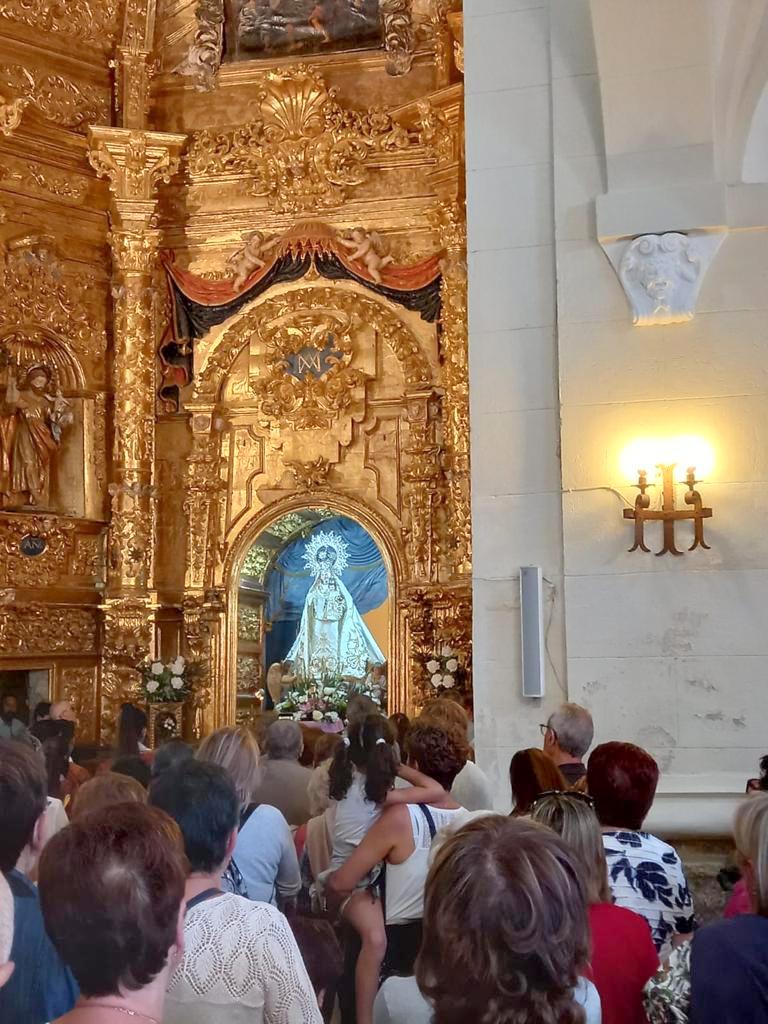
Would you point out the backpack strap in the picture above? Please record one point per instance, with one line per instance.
(201, 897)
(430, 820)
(246, 815)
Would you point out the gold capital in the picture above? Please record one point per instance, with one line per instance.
(133, 160)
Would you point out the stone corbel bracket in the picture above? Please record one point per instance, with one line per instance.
(661, 274)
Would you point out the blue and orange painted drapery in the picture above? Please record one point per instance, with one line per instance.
(199, 304)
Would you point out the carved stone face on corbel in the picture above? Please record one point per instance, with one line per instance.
(661, 274)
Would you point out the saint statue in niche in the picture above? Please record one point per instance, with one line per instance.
(32, 418)
(274, 27)
(333, 640)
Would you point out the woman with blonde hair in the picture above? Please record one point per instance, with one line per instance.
(264, 865)
(729, 959)
(506, 934)
(623, 954)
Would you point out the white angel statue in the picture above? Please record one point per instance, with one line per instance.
(249, 258)
(333, 639)
(368, 247)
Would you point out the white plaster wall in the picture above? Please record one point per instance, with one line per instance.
(513, 364)
(671, 653)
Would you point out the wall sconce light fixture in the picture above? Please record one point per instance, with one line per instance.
(668, 514)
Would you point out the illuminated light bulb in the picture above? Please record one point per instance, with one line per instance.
(683, 451)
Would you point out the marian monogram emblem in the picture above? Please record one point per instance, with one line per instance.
(313, 359)
(308, 380)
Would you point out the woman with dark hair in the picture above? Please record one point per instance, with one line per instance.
(645, 874)
(131, 732)
(532, 773)
(123, 874)
(506, 934)
(623, 954)
(402, 838)
(401, 724)
(361, 780)
(169, 754)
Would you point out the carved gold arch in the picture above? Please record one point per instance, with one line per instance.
(392, 552)
(349, 298)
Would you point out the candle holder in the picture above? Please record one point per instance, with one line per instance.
(668, 514)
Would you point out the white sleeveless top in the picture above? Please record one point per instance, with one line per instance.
(405, 882)
(354, 816)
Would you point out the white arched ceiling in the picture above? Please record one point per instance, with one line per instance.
(741, 77)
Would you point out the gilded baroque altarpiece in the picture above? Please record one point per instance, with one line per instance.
(232, 251)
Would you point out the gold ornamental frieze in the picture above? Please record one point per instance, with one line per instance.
(89, 21)
(31, 177)
(39, 550)
(55, 97)
(35, 628)
(305, 152)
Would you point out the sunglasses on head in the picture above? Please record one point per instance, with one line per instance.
(572, 794)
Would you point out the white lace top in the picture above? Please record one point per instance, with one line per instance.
(241, 964)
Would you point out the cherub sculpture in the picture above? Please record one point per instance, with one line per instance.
(368, 247)
(250, 258)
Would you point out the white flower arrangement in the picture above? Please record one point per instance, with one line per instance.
(166, 682)
(324, 701)
(444, 670)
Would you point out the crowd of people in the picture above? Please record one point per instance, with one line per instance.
(290, 876)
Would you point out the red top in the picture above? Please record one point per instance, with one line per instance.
(623, 959)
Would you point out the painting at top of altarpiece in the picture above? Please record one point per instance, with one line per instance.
(275, 28)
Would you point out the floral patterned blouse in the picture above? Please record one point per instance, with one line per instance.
(646, 875)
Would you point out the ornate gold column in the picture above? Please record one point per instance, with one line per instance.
(204, 603)
(134, 162)
(453, 318)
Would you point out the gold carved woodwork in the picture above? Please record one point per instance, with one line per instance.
(249, 623)
(34, 628)
(305, 152)
(10, 114)
(201, 507)
(56, 538)
(88, 21)
(451, 225)
(128, 637)
(29, 176)
(399, 35)
(422, 479)
(328, 382)
(436, 616)
(134, 161)
(203, 58)
(359, 308)
(78, 685)
(36, 290)
(134, 69)
(202, 622)
(55, 97)
(311, 476)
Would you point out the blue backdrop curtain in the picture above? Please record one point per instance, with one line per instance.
(288, 582)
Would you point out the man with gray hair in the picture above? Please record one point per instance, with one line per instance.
(284, 781)
(568, 735)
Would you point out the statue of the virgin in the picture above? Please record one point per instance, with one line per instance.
(333, 639)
